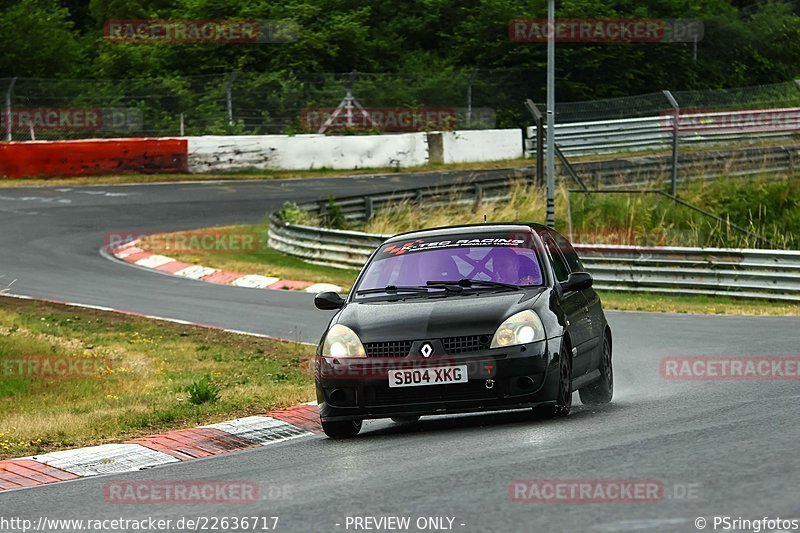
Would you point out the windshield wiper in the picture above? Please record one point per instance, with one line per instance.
(467, 283)
(394, 288)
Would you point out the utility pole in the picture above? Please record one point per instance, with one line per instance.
(551, 115)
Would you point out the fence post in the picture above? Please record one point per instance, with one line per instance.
(368, 207)
(8, 108)
(538, 119)
(676, 115)
(469, 96)
(229, 97)
(569, 216)
(478, 195)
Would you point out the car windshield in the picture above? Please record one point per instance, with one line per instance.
(496, 258)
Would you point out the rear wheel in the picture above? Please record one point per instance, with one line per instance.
(602, 390)
(342, 429)
(405, 419)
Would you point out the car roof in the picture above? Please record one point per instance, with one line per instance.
(467, 229)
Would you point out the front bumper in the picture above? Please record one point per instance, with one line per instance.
(500, 378)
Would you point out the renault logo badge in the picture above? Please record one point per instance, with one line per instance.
(426, 350)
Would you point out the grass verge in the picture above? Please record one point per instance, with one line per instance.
(146, 377)
(187, 246)
(695, 304)
(765, 205)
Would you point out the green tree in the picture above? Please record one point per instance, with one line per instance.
(38, 40)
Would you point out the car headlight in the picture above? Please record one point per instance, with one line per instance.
(342, 341)
(522, 328)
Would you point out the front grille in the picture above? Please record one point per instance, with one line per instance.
(469, 343)
(388, 349)
(472, 390)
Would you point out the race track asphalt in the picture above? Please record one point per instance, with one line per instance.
(719, 448)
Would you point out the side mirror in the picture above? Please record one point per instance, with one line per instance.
(577, 281)
(328, 301)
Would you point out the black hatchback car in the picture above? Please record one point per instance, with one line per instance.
(461, 319)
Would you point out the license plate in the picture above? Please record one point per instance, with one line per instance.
(420, 377)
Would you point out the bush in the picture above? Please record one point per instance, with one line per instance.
(334, 216)
(203, 391)
(291, 213)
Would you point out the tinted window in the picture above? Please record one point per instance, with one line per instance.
(557, 259)
(573, 261)
(484, 257)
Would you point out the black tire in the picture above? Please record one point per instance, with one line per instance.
(405, 419)
(342, 430)
(602, 390)
(563, 403)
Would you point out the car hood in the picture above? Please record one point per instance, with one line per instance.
(429, 318)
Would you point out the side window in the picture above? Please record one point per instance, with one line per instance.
(570, 254)
(557, 260)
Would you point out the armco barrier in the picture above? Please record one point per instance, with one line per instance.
(744, 273)
(656, 132)
(92, 158)
(762, 274)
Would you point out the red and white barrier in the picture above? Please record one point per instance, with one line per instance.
(254, 152)
(93, 157)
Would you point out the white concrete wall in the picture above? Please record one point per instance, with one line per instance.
(303, 152)
(469, 146)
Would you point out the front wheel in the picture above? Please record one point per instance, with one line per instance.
(563, 403)
(342, 430)
(602, 390)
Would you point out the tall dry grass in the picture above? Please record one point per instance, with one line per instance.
(765, 207)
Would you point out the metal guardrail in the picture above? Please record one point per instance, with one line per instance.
(656, 132)
(744, 273)
(467, 187)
